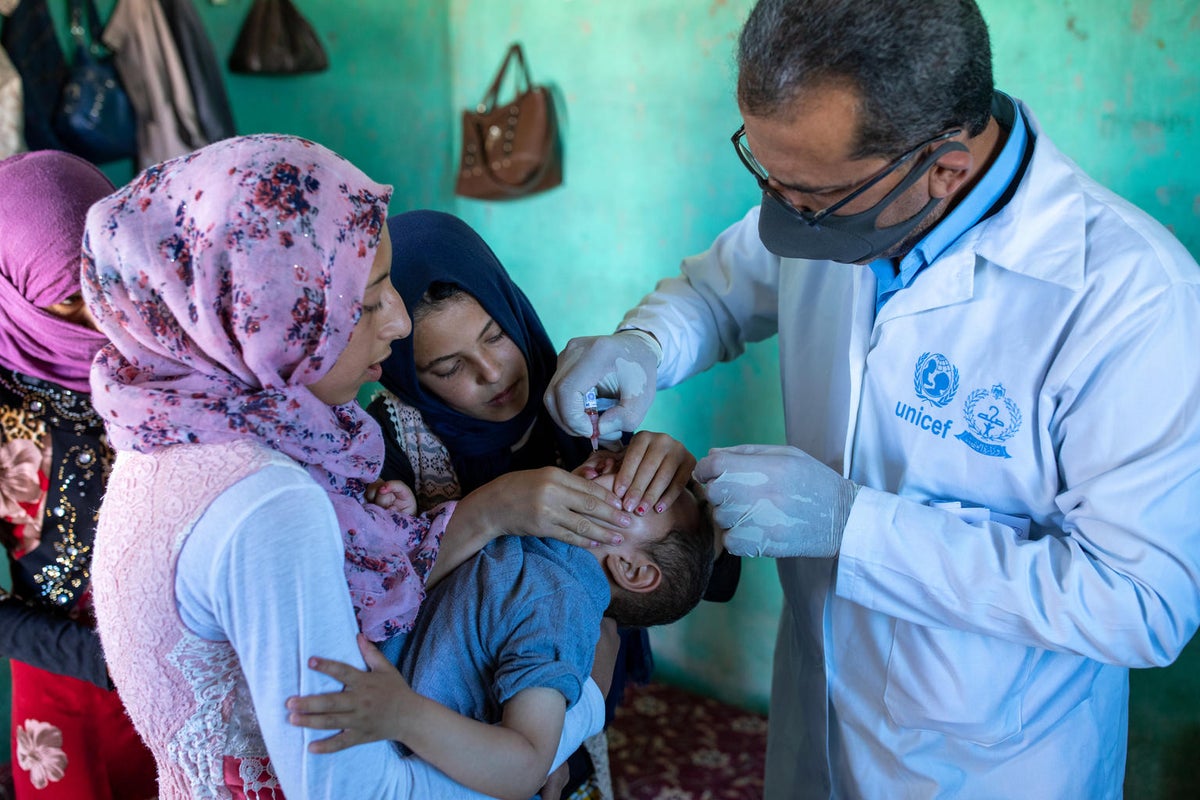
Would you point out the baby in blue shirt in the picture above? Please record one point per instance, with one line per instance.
(504, 644)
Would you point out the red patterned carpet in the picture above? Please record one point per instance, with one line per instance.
(669, 744)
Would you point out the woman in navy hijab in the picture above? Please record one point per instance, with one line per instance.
(462, 410)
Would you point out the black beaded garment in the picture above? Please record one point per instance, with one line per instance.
(50, 568)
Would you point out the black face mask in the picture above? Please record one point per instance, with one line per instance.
(850, 238)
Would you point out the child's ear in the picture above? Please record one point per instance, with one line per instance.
(634, 574)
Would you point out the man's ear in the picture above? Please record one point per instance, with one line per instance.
(634, 573)
(949, 173)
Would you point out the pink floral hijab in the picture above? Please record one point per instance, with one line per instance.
(228, 280)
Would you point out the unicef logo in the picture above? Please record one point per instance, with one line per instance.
(935, 379)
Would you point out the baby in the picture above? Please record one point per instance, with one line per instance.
(504, 644)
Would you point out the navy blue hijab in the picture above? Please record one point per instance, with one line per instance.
(434, 247)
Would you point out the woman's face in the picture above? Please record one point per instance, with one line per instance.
(384, 319)
(73, 309)
(465, 360)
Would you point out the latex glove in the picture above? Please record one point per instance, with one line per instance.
(622, 366)
(776, 501)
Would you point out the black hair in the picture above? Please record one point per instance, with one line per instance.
(436, 296)
(686, 558)
(918, 67)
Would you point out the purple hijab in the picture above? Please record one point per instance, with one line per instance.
(44, 197)
(228, 281)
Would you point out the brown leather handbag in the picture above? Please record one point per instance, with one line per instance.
(510, 149)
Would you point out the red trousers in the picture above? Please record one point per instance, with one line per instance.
(72, 740)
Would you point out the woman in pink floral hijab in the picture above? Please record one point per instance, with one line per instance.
(226, 291)
(71, 739)
(245, 289)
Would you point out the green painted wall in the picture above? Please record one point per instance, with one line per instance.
(650, 175)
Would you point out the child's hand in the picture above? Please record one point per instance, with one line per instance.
(364, 711)
(393, 495)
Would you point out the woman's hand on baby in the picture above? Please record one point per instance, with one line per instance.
(655, 468)
(549, 502)
(367, 709)
(393, 495)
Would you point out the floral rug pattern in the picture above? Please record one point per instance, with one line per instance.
(669, 744)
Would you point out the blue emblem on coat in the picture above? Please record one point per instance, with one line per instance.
(935, 379)
(992, 419)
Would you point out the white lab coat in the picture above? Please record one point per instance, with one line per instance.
(1044, 367)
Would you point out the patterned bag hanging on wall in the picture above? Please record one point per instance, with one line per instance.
(510, 149)
(276, 39)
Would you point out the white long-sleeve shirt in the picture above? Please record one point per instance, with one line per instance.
(1042, 368)
(263, 570)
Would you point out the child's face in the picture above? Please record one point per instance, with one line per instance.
(468, 362)
(683, 514)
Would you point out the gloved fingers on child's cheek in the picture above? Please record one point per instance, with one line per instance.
(747, 541)
(729, 516)
(718, 490)
(711, 467)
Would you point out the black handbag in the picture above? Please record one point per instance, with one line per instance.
(94, 119)
(276, 39)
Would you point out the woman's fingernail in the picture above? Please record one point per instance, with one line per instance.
(660, 508)
(625, 521)
(616, 539)
(640, 510)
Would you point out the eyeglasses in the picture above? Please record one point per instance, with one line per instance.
(813, 217)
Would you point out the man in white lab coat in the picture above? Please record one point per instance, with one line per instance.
(988, 509)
